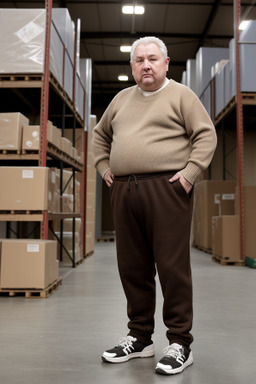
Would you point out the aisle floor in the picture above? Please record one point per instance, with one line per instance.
(60, 339)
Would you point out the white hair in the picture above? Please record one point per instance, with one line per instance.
(148, 40)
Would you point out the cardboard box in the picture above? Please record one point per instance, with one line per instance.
(50, 133)
(66, 203)
(28, 263)
(65, 145)
(67, 238)
(225, 202)
(23, 188)
(206, 206)
(30, 137)
(74, 153)
(53, 191)
(57, 137)
(11, 125)
(226, 238)
(249, 218)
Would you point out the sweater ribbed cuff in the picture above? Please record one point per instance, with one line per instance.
(102, 167)
(191, 172)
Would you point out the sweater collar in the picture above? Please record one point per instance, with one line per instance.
(145, 93)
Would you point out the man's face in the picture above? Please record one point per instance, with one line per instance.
(149, 67)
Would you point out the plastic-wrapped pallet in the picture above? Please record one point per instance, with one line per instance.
(205, 59)
(184, 78)
(22, 45)
(219, 70)
(191, 74)
(247, 59)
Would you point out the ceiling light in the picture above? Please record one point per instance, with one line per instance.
(123, 78)
(131, 9)
(125, 48)
(243, 25)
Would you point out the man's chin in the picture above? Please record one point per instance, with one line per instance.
(148, 84)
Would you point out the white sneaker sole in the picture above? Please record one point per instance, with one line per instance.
(163, 369)
(110, 357)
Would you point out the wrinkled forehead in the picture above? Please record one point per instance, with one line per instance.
(143, 50)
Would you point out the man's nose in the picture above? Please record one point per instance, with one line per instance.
(146, 64)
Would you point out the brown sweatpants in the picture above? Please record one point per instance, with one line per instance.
(152, 220)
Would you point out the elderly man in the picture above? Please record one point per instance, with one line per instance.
(150, 145)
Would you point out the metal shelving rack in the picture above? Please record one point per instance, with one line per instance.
(240, 112)
(35, 91)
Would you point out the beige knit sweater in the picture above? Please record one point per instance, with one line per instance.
(169, 130)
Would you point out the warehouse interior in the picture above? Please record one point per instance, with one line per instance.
(61, 298)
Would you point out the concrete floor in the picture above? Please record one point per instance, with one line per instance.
(60, 339)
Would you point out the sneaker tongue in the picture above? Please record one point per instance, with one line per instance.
(176, 346)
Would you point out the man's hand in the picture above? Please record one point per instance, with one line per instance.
(186, 185)
(109, 177)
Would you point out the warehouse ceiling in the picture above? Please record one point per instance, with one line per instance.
(184, 26)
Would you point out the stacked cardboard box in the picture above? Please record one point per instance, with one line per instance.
(226, 238)
(249, 218)
(23, 188)
(28, 264)
(212, 198)
(68, 238)
(226, 229)
(30, 137)
(66, 146)
(53, 190)
(11, 125)
(67, 198)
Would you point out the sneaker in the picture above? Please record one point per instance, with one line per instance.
(176, 359)
(128, 348)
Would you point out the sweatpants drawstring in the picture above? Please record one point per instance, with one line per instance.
(131, 178)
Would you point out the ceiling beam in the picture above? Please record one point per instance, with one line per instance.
(128, 35)
(126, 62)
(209, 23)
(117, 2)
(63, 4)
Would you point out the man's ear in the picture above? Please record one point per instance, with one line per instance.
(167, 61)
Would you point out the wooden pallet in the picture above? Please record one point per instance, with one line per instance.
(19, 212)
(225, 110)
(34, 293)
(89, 254)
(80, 261)
(218, 260)
(249, 98)
(10, 152)
(20, 77)
(105, 239)
(203, 249)
(29, 151)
